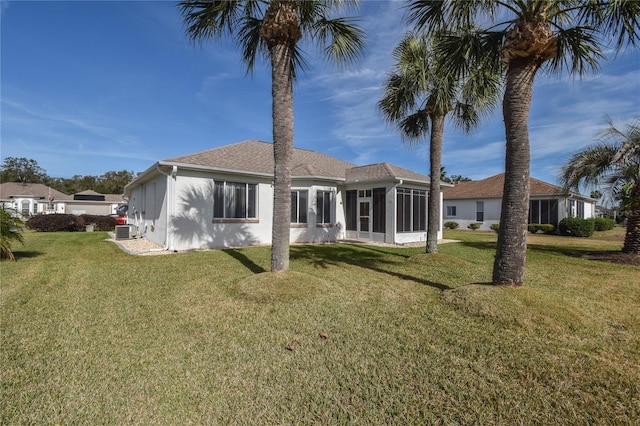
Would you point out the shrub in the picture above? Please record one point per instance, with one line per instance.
(576, 227)
(451, 225)
(603, 224)
(55, 222)
(10, 231)
(474, 226)
(495, 227)
(545, 228)
(102, 223)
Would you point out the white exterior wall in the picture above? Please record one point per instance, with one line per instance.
(312, 232)
(36, 206)
(466, 212)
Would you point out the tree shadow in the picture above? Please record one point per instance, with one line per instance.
(194, 225)
(359, 256)
(26, 254)
(242, 258)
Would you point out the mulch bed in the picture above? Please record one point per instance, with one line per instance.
(616, 257)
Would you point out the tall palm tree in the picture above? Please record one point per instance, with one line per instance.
(274, 28)
(417, 97)
(529, 35)
(613, 162)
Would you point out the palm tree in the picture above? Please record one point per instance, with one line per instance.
(418, 95)
(274, 29)
(614, 162)
(10, 231)
(529, 35)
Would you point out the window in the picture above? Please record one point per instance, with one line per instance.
(299, 206)
(25, 208)
(479, 211)
(234, 200)
(323, 207)
(411, 210)
(50, 206)
(451, 211)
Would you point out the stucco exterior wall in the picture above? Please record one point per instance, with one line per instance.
(466, 212)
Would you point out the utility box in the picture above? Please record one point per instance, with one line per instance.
(125, 232)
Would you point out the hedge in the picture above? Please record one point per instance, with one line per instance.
(576, 227)
(101, 223)
(55, 222)
(603, 223)
(451, 225)
(546, 228)
(70, 222)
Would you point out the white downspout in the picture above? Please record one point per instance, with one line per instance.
(170, 193)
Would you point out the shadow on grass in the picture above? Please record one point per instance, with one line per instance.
(242, 258)
(28, 254)
(360, 256)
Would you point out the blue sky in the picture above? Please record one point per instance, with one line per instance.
(91, 87)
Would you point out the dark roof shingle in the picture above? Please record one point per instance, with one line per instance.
(492, 187)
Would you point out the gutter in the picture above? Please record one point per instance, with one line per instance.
(170, 193)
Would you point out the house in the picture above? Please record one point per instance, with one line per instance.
(481, 202)
(36, 198)
(223, 197)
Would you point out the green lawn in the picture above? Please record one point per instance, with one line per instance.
(92, 335)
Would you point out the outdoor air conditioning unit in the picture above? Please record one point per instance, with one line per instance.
(126, 232)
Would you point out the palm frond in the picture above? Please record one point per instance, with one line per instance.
(578, 51)
(414, 127)
(342, 39)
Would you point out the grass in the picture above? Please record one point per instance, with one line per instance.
(92, 335)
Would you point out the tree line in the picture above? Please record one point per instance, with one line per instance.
(26, 170)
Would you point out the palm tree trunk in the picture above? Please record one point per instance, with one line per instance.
(509, 265)
(632, 235)
(435, 160)
(282, 104)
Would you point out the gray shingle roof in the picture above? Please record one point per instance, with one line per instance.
(257, 157)
(31, 190)
(492, 187)
(383, 171)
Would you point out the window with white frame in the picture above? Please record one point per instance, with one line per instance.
(479, 211)
(233, 200)
(411, 210)
(323, 207)
(451, 211)
(299, 203)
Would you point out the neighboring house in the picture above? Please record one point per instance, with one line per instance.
(35, 198)
(91, 202)
(481, 202)
(223, 197)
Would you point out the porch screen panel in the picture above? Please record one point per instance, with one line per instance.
(351, 210)
(419, 210)
(544, 211)
(403, 210)
(379, 209)
(553, 212)
(534, 211)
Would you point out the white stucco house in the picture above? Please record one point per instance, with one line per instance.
(30, 199)
(481, 202)
(223, 197)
